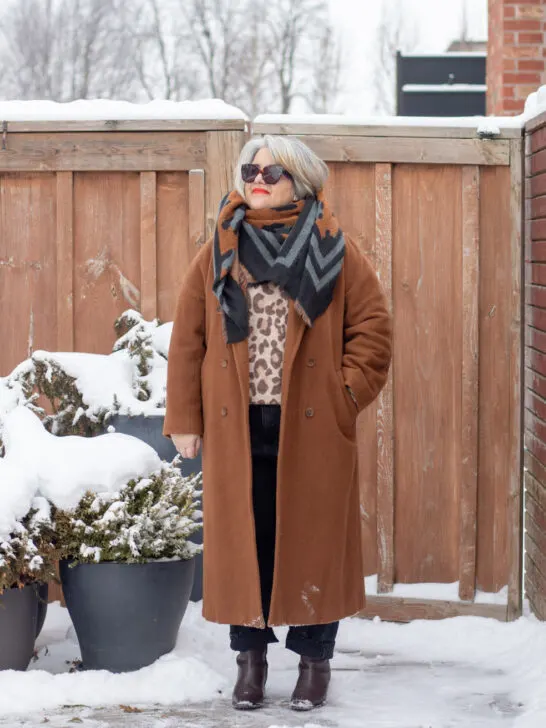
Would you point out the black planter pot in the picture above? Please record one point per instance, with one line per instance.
(18, 623)
(150, 431)
(43, 595)
(126, 615)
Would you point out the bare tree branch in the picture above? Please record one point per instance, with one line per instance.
(395, 33)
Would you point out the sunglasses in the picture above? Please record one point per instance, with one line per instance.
(270, 174)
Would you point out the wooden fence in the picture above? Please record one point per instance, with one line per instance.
(535, 366)
(98, 217)
(439, 212)
(95, 219)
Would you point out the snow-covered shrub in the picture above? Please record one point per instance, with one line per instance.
(148, 518)
(66, 413)
(77, 393)
(28, 552)
(136, 335)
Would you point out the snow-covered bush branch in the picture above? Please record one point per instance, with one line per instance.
(28, 552)
(149, 518)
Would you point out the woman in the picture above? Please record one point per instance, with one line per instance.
(281, 337)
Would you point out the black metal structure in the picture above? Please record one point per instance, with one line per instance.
(447, 84)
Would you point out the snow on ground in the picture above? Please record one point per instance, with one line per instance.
(467, 671)
(442, 592)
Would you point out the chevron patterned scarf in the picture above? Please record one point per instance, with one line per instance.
(299, 246)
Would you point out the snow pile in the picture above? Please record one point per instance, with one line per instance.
(443, 592)
(476, 123)
(62, 469)
(535, 104)
(107, 110)
(17, 491)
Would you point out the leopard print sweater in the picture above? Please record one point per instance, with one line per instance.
(267, 318)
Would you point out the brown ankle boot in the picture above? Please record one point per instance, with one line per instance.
(248, 693)
(312, 686)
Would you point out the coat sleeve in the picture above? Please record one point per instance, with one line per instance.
(184, 414)
(367, 330)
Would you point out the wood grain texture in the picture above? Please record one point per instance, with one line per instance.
(107, 255)
(108, 151)
(196, 212)
(65, 261)
(351, 193)
(174, 250)
(28, 266)
(222, 152)
(385, 414)
(409, 150)
(427, 292)
(470, 374)
(377, 130)
(515, 512)
(398, 609)
(141, 125)
(495, 383)
(148, 245)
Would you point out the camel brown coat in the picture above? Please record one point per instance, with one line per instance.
(318, 575)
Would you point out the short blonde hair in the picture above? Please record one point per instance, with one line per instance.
(308, 171)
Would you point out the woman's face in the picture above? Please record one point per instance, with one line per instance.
(259, 195)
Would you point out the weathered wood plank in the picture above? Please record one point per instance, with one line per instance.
(378, 130)
(409, 150)
(106, 255)
(65, 261)
(515, 516)
(385, 427)
(28, 266)
(111, 151)
(180, 125)
(356, 212)
(495, 383)
(222, 152)
(196, 211)
(174, 250)
(398, 609)
(470, 376)
(427, 283)
(148, 244)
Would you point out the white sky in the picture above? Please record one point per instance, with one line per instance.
(436, 22)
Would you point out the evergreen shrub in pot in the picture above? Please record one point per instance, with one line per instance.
(127, 568)
(27, 555)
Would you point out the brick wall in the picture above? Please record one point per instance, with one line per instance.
(516, 63)
(535, 366)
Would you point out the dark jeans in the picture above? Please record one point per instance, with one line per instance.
(316, 640)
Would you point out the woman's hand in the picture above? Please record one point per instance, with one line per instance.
(187, 445)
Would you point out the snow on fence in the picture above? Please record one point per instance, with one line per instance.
(436, 205)
(96, 217)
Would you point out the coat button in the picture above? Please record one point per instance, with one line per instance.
(311, 362)
(309, 412)
(224, 363)
(223, 411)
